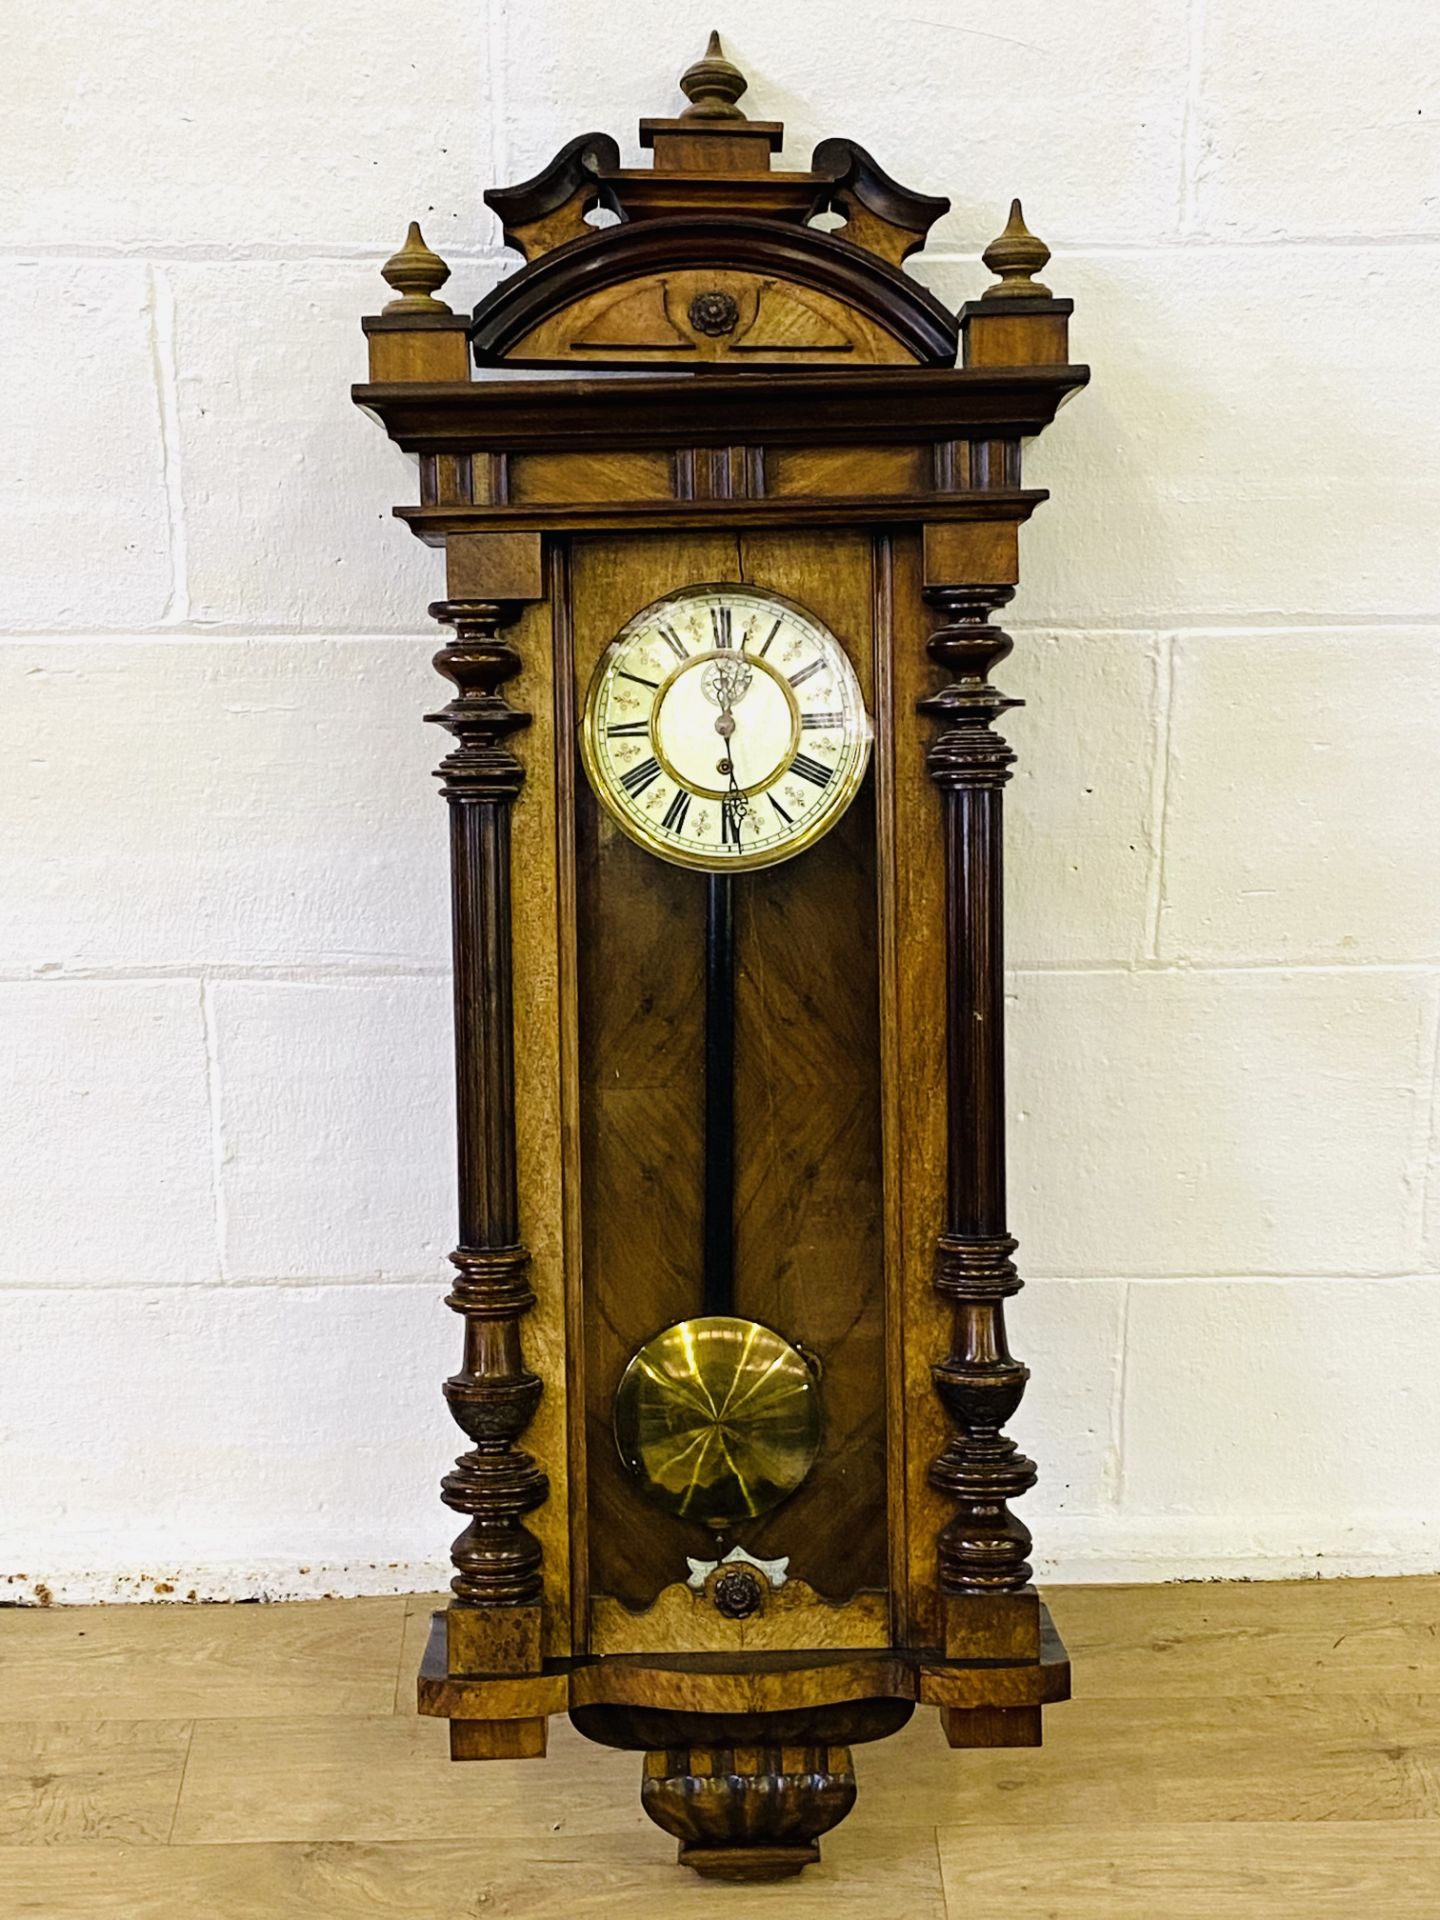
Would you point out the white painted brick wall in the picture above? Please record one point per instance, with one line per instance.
(84, 421)
(349, 1174)
(288, 521)
(226, 1187)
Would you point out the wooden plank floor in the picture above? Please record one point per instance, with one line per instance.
(1234, 1752)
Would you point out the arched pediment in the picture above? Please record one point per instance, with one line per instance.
(707, 288)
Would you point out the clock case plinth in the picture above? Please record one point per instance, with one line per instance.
(841, 452)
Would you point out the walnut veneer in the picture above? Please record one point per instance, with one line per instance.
(741, 395)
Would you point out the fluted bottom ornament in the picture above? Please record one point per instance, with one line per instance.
(748, 1813)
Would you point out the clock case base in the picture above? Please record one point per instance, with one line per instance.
(747, 1789)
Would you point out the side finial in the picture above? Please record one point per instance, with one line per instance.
(415, 273)
(1017, 256)
(712, 86)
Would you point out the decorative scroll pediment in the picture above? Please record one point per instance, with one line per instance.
(713, 258)
(545, 212)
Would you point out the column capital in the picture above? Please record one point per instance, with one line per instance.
(477, 664)
(968, 753)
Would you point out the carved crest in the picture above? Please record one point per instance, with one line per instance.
(712, 257)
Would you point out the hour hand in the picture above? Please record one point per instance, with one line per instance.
(726, 683)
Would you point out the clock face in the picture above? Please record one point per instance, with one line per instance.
(725, 728)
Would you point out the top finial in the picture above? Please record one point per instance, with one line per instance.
(712, 86)
(1017, 256)
(415, 272)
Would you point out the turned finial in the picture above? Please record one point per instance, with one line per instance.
(415, 272)
(712, 86)
(1017, 256)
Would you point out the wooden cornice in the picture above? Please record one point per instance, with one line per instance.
(435, 525)
(810, 407)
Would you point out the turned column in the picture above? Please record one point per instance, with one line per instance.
(983, 1549)
(494, 1395)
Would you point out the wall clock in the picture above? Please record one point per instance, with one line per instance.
(725, 795)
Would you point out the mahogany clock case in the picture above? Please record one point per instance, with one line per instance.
(745, 398)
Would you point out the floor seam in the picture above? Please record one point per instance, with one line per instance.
(180, 1790)
(400, 1656)
(940, 1871)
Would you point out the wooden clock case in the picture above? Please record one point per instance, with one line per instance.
(722, 391)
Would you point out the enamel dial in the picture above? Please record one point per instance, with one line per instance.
(725, 728)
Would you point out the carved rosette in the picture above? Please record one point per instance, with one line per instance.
(494, 1396)
(984, 1547)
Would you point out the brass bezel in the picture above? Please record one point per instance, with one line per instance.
(850, 779)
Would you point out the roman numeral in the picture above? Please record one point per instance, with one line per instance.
(625, 674)
(799, 679)
(827, 717)
(675, 813)
(731, 814)
(788, 818)
(771, 635)
(676, 645)
(809, 769)
(720, 621)
(628, 730)
(639, 777)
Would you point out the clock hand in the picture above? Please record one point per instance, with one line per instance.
(727, 682)
(726, 692)
(735, 799)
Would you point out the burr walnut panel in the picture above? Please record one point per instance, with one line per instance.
(548, 478)
(844, 472)
(710, 313)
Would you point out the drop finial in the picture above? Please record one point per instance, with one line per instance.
(1017, 256)
(415, 273)
(713, 85)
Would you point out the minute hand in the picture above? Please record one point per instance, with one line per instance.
(732, 806)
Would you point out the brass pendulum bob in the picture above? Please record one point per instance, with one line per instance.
(718, 1417)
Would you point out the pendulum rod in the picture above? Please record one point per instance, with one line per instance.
(718, 1281)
